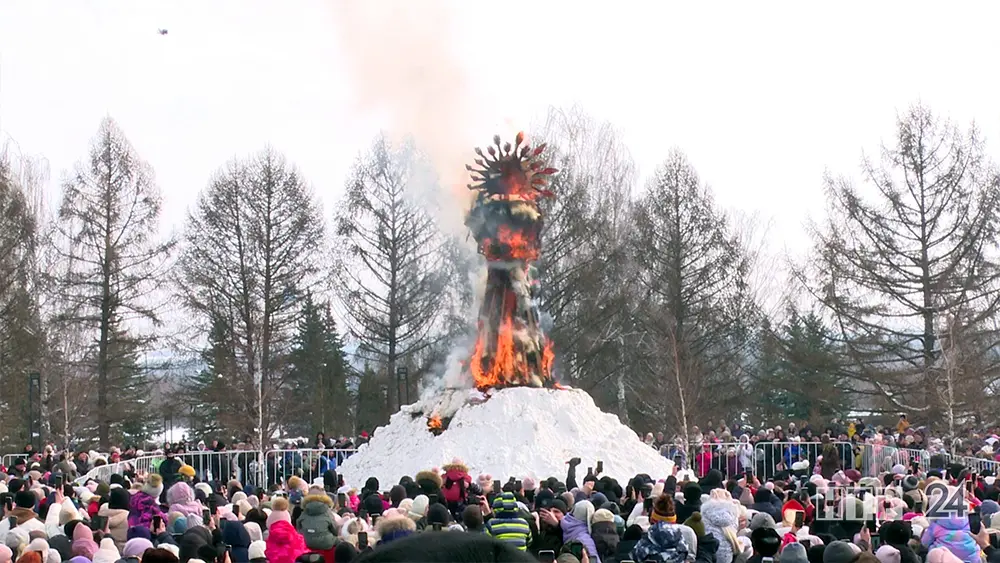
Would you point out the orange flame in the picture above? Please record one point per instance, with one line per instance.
(434, 422)
(510, 245)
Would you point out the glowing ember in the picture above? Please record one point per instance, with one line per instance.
(511, 349)
(434, 423)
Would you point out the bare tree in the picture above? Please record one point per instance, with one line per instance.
(107, 231)
(251, 251)
(586, 289)
(696, 297)
(393, 276)
(891, 268)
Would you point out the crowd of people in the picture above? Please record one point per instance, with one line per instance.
(448, 514)
(852, 444)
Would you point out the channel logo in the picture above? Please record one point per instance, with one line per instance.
(939, 501)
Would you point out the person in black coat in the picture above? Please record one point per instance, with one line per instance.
(692, 502)
(764, 501)
(625, 546)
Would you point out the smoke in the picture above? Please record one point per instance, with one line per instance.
(401, 65)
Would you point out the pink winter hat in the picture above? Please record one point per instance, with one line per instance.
(279, 511)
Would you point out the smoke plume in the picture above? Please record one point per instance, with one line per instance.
(401, 64)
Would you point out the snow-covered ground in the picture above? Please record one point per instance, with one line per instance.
(517, 432)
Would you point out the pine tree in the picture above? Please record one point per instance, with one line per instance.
(319, 375)
(372, 411)
(208, 389)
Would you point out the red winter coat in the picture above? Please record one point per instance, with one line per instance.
(456, 483)
(284, 543)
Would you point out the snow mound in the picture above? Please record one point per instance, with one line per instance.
(516, 432)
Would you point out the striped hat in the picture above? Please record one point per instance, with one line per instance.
(505, 503)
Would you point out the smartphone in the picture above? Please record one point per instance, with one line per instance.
(518, 485)
(800, 519)
(341, 500)
(362, 541)
(975, 522)
(590, 471)
(496, 486)
(206, 516)
(58, 482)
(157, 521)
(886, 505)
(872, 525)
(98, 523)
(236, 510)
(647, 506)
(547, 556)
(918, 507)
(971, 483)
(600, 467)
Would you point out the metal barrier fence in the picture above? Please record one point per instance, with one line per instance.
(242, 465)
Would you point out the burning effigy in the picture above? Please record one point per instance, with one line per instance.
(511, 349)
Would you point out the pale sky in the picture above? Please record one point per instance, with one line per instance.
(762, 96)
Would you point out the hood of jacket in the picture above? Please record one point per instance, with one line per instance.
(663, 542)
(23, 515)
(316, 505)
(116, 516)
(720, 513)
(284, 544)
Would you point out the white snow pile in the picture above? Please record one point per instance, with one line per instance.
(516, 432)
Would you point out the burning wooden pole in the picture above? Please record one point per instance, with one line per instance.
(505, 220)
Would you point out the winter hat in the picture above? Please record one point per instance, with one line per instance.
(396, 494)
(139, 532)
(695, 523)
(988, 509)
(165, 553)
(25, 499)
(663, 510)
(120, 500)
(39, 545)
(529, 484)
(344, 552)
(762, 520)
(765, 541)
(898, 469)
(598, 500)
(253, 530)
(373, 505)
(205, 488)
(279, 512)
(67, 515)
(794, 552)
(5, 554)
(438, 514)
(888, 554)
(107, 553)
(178, 523)
(62, 546)
(419, 508)
(603, 515)
(257, 548)
(910, 483)
(853, 474)
(941, 555)
(582, 511)
(839, 552)
(136, 547)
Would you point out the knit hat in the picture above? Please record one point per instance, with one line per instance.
(988, 509)
(419, 508)
(187, 471)
(506, 503)
(888, 554)
(898, 469)
(839, 552)
(663, 510)
(67, 515)
(257, 548)
(253, 530)
(794, 552)
(136, 547)
(107, 553)
(5, 554)
(910, 482)
(853, 474)
(39, 544)
(139, 532)
(345, 552)
(120, 500)
(762, 520)
(279, 512)
(695, 523)
(603, 515)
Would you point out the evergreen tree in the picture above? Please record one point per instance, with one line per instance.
(372, 411)
(319, 375)
(210, 384)
(797, 371)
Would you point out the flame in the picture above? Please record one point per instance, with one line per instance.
(434, 422)
(510, 245)
(548, 356)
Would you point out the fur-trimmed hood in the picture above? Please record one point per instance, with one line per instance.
(428, 476)
(324, 499)
(456, 467)
(720, 513)
(395, 528)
